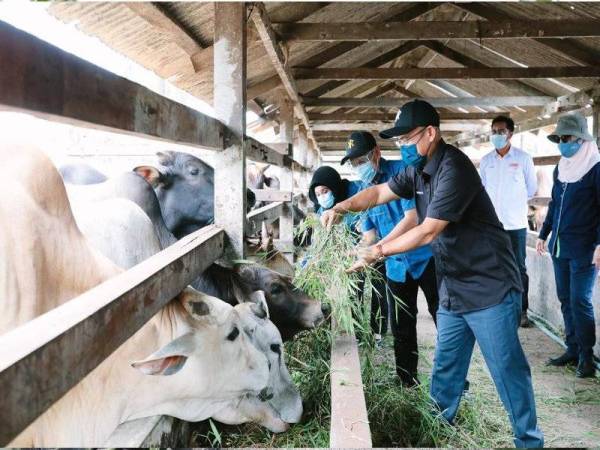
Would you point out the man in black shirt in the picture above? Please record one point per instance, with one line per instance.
(478, 278)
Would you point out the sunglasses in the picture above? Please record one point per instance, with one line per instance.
(564, 138)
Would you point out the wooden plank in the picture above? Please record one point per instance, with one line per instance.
(269, 195)
(47, 80)
(265, 30)
(42, 359)
(446, 73)
(286, 177)
(264, 153)
(383, 117)
(376, 31)
(339, 49)
(349, 419)
(438, 102)
(267, 213)
(230, 107)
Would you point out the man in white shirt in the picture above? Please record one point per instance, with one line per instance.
(509, 178)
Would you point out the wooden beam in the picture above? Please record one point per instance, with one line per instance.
(446, 73)
(373, 63)
(264, 153)
(265, 31)
(332, 127)
(339, 49)
(570, 50)
(383, 117)
(267, 214)
(286, 176)
(377, 31)
(349, 418)
(443, 102)
(467, 61)
(270, 195)
(230, 107)
(158, 19)
(44, 358)
(44, 79)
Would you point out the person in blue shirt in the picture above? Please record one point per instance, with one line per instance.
(327, 189)
(406, 272)
(573, 218)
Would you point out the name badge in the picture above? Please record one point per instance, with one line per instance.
(419, 192)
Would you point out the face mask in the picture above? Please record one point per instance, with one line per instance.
(412, 157)
(568, 149)
(498, 141)
(366, 172)
(325, 200)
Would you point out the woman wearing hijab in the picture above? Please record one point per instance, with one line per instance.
(574, 220)
(327, 189)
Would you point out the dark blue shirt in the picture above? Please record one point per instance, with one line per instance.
(384, 218)
(574, 216)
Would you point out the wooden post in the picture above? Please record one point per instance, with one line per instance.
(286, 135)
(230, 108)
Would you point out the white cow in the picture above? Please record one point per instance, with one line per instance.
(121, 231)
(195, 347)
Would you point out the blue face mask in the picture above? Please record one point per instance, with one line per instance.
(498, 141)
(366, 172)
(568, 149)
(412, 157)
(326, 200)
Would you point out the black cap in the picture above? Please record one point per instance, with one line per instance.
(416, 113)
(358, 144)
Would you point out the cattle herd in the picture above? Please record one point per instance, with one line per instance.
(215, 351)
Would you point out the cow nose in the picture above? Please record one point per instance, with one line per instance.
(325, 309)
(265, 395)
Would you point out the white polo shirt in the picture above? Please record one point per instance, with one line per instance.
(509, 181)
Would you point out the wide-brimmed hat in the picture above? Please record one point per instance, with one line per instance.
(571, 125)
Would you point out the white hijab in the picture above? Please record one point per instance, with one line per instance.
(574, 168)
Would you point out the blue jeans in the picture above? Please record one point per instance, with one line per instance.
(495, 329)
(574, 286)
(518, 241)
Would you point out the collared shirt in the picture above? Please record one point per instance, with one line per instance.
(509, 181)
(474, 261)
(383, 219)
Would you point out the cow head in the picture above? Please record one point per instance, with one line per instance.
(185, 189)
(211, 359)
(290, 308)
(285, 403)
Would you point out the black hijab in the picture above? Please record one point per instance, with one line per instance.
(329, 177)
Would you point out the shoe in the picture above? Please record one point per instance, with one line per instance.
(586, 368)
(562, 360)
(525, 322)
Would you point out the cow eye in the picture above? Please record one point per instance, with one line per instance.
(234, 334)
(276, 348)
(276, 289)
(194, 171)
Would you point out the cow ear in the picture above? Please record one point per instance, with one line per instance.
(166, 158)
(259, 304)
(151, 174)
(168, 360)
(201, 306)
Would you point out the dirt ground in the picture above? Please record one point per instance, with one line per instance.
(568, 408)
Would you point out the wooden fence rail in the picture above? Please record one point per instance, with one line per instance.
(42, 359)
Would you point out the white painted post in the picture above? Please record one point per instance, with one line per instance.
(286, 135)
(230, 108)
